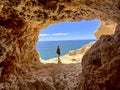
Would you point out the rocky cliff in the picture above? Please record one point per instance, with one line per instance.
(82, 50)
(101, 64)
(105, 28)
(20, 23)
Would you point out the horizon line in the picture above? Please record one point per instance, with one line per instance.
(66, 40)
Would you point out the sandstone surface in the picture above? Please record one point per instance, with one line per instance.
(101, 64)
(105, 28)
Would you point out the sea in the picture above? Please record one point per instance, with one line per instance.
(47, 49)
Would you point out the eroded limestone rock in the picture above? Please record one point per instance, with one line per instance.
(105, 28)
(101, 64)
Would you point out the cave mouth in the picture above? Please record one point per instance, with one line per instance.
(70, 36)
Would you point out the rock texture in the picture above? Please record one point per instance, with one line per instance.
(20, 23)
(44, 77)
(105, 28)
(101, 64)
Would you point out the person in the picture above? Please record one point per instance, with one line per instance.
(58, 53)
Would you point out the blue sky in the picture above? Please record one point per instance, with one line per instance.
(70, 31)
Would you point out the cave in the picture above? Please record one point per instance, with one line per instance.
(20, 23)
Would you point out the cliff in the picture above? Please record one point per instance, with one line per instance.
(20, 23)
(100, 65)
(105, 28)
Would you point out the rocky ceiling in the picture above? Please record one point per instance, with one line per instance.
(52, 11)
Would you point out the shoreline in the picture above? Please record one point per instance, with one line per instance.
(74, 56)
(66, 59)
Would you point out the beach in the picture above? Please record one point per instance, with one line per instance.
(74, 56)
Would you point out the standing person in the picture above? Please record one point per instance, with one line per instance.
(58, 52)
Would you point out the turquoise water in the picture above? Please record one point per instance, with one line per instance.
(47, 49)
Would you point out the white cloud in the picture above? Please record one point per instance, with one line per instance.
(60, 34)
(55, 34)
(43, 35)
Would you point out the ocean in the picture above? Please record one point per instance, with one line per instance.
(47, 49)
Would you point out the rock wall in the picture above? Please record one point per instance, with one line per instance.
(101, 64)
(105, 28)
(20, 23)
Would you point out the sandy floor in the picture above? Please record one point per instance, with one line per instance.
(66, 59)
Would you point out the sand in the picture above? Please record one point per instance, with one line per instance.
(66, 59)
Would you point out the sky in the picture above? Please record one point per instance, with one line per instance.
(70, 31)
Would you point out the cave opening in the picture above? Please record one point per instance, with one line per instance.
(70, 36)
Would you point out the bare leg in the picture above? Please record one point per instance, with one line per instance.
(59, 59)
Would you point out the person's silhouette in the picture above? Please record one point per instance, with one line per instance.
(58, 53)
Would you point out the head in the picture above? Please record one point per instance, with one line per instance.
(58, 46)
